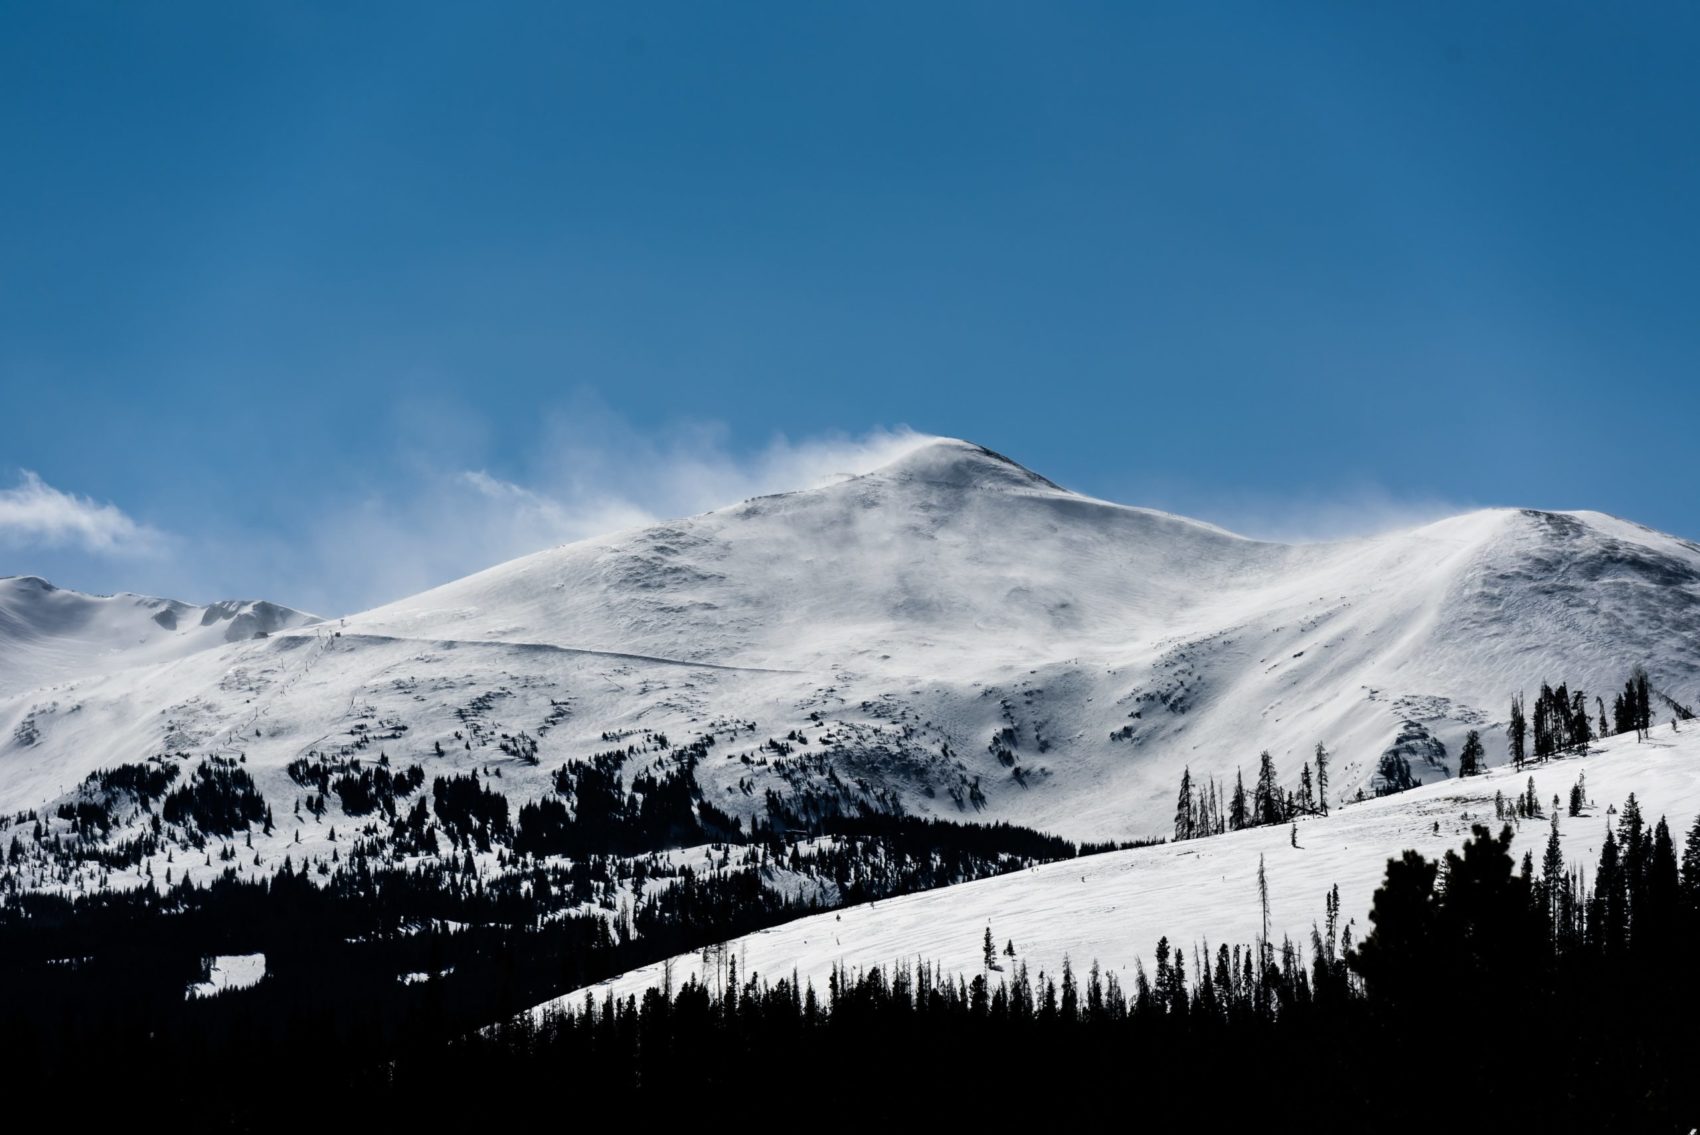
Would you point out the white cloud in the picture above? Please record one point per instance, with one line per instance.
(35, 514)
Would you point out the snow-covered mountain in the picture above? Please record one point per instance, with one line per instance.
(951, 634)
(48, 633)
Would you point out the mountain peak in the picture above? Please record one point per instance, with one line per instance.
(962, 464)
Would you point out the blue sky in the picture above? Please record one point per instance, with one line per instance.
(330, 302)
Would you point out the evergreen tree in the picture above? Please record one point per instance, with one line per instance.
(1470, 759)
(1608, 916)
(1643, 698)
(1487, 917)
(1635, 846)
(1307, 795)
(1517, 731)
(1404, 921)
(1185, 809)
(1655, 918)
(1633, 708)
(1266, 801)
(1581, 731)
(1690, 880)
(1552, 870)
(1237, 815)
(1263, 939)
(1322, 777)
(1547, 725)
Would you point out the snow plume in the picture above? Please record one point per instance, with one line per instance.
(1364, 510)
(35, 514)
(589, 475)
(596, 468)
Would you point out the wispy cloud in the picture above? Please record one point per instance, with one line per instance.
(583, 475)
(35, 514)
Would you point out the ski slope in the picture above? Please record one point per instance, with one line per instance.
(1112, 908)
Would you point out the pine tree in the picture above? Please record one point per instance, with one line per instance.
(1633, 707)
(1655, 917)
(1185, 811)
(1552, 868)
(1690, 879)
(1517, 731)
(1544, 741)
(1322, 777)
(1263, 940)
(1635, 846)
(1266, 801)
(1470, 759)
(1643, 698)
(1307, 793)
(1608, 917)
(1237, 816)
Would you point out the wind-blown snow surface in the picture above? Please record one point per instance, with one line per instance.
(48, 633)
(951, 634)
(1112, 908)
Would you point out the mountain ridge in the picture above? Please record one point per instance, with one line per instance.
(954, 634)
(53, 632)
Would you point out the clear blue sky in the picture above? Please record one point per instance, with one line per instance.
(277, 281)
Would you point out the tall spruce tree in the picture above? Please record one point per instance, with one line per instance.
(1237, 815)
(1552, 869)
(1690, 879)
(1470, 758)
(1643, 698)
(1322, 777)
(1517, 732)
(1581, 730)
(1266, 801)
(1656, 919)
(1185, 808)
(1608, 917)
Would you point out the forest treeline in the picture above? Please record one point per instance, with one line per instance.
(373, 960)
(1486, 990)
(1560, 723)
(1538, 991)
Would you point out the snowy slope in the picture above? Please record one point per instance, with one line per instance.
(951, 634)
(943, 556)
(1112, 908)
(980, 596)
(49, 633)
